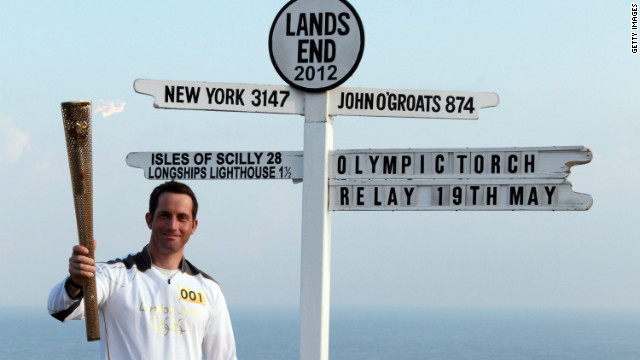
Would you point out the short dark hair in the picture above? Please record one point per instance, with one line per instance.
(175, 188)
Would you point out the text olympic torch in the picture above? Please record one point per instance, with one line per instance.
(76, 118)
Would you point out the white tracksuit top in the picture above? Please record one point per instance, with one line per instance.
(143, 315)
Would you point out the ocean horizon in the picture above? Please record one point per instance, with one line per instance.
(271, 333)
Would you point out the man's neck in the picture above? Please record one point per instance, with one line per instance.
(169, 262)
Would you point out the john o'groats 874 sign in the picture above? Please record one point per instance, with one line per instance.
(316, 45)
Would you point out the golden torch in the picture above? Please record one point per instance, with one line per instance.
(76, 118)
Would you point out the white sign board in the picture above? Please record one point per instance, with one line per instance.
(316, 45)
(410, 103)
(281, 99)
(198, 95)
(231, 165)
(452, 163)
(426, 195)
(456, 179)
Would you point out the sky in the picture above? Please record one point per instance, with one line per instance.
(564, 72)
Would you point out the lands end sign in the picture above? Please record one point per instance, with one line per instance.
(316, 45)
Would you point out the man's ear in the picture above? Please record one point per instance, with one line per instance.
(149, 219)
(195, 225)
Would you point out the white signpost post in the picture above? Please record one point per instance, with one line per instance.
(315, 46)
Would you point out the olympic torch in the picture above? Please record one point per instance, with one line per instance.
(76, 118)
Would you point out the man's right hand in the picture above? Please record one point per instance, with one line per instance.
(80, 267)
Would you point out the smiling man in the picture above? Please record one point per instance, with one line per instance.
(153, 304)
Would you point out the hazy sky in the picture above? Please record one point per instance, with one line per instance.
(564, 72)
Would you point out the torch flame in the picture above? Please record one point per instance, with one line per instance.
(110, 108)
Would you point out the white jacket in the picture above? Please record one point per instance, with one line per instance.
(145, 316)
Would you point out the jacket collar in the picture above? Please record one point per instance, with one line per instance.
(144, 260)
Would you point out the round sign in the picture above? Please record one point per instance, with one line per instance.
(316, 45)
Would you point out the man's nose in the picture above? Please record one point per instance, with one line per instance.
(173, 222)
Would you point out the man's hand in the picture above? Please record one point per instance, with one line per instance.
(80, 267)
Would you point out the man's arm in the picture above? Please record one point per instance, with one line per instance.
(219, 342)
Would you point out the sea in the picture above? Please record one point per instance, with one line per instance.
(373, 334)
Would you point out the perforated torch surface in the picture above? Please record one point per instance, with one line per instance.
(76, 118)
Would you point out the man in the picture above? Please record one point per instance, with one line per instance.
(153, 304)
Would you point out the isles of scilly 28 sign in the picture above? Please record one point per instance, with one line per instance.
(316, 45)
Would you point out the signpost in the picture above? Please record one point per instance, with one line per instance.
(455, 195)
(315, 46)
(230, 165)
(457, 179)
(199, 95)
(480, 163)
(410, 103)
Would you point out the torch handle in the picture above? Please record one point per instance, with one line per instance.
(84, 220)
(92, 320)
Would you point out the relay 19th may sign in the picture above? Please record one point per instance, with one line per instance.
(316, 45)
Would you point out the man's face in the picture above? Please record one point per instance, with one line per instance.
(172, 224)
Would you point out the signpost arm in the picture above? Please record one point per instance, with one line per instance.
(316, 230)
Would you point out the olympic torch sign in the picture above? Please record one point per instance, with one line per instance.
(76, 118)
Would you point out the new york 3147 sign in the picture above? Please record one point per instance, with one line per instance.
(316, 45)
